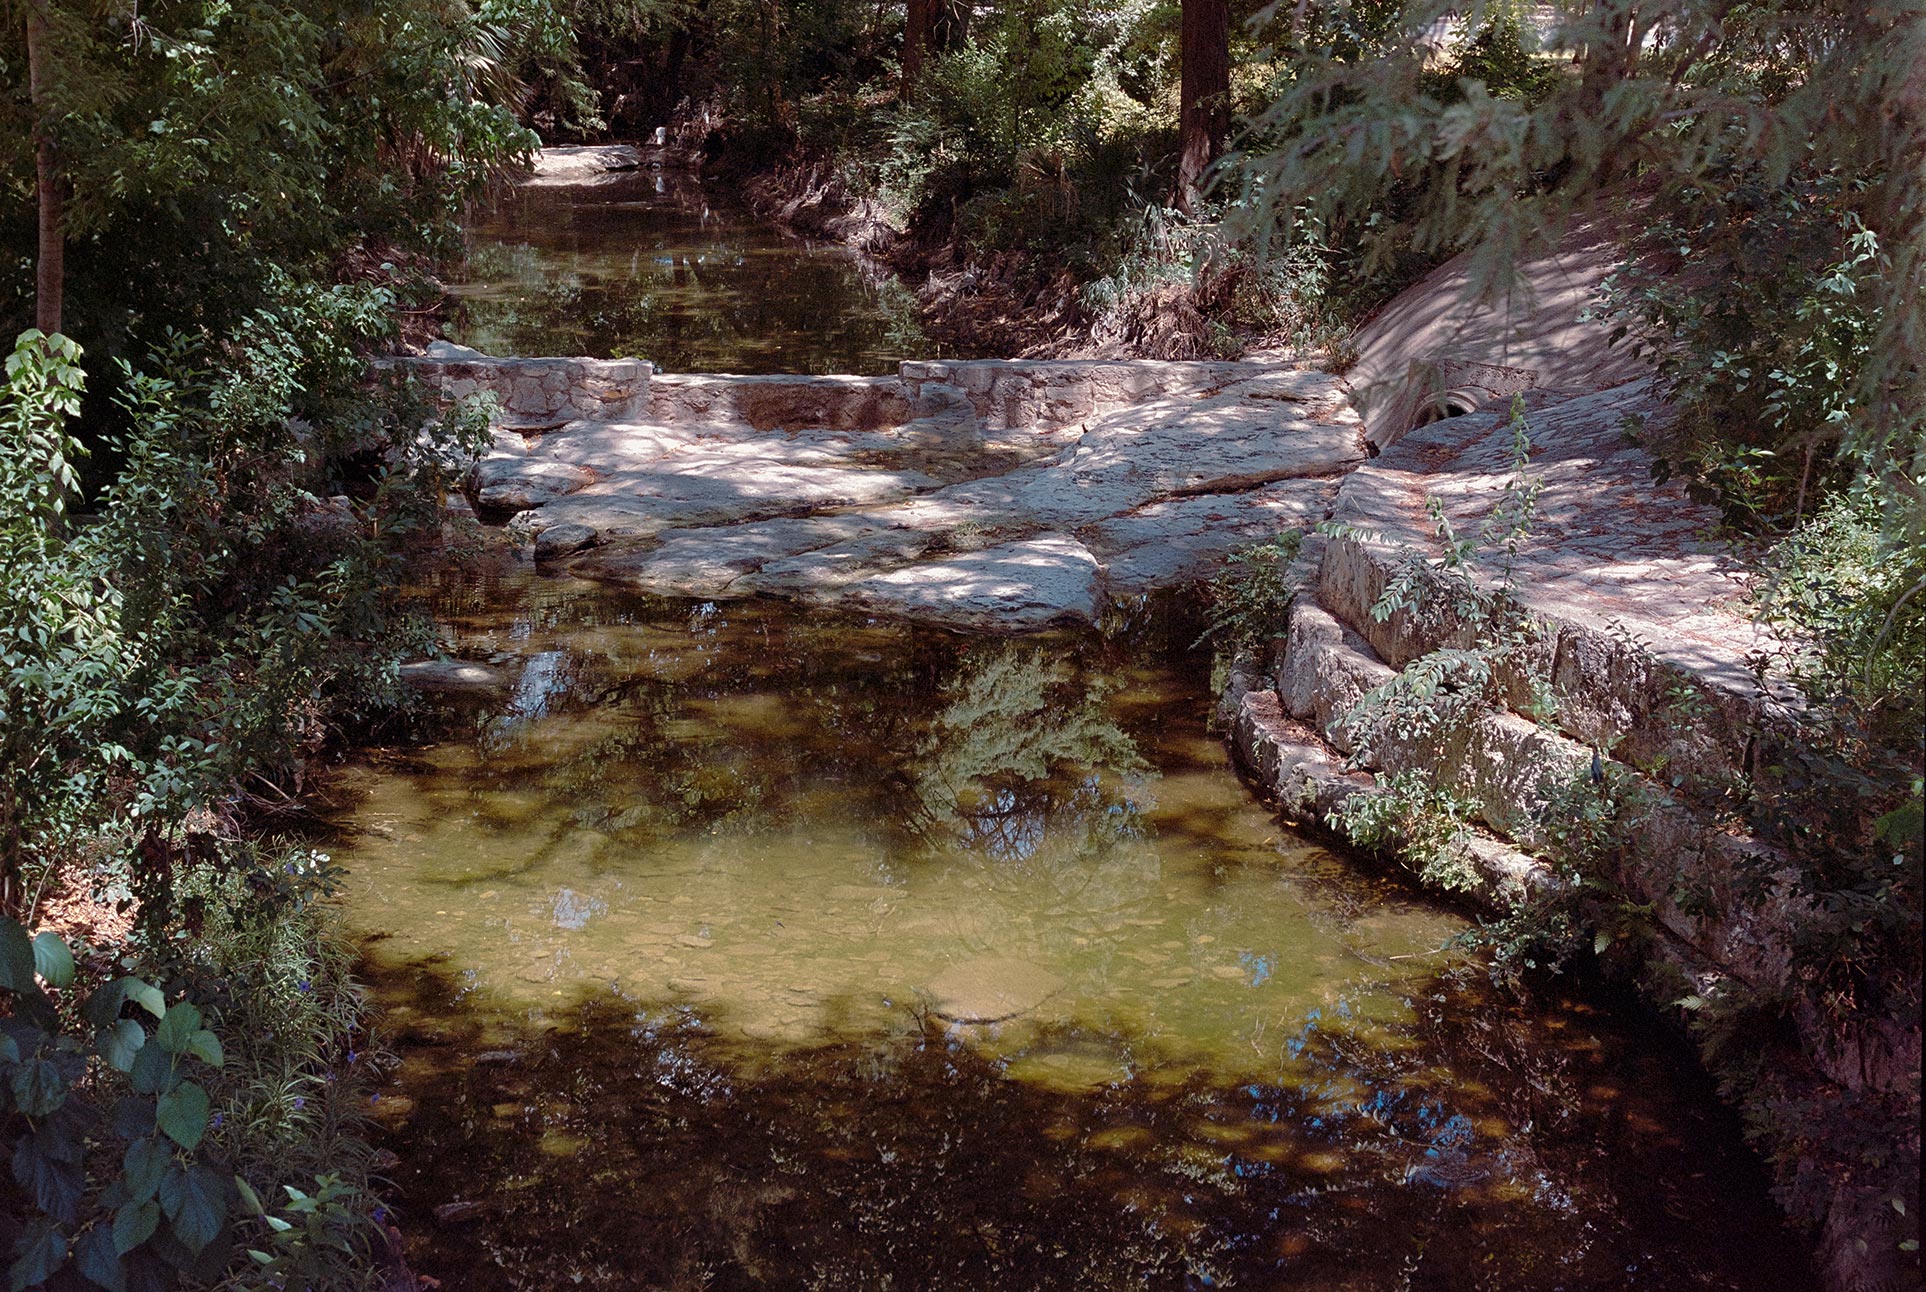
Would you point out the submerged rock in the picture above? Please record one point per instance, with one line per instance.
(453, 675)
(991, 989)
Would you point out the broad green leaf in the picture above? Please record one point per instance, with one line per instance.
(195, 1200)
(49, 1169)
(43, 1252)
(206, 1047)
(134, 1224)
(38, 1087)
(133, 1117)
(9, 1052)
(52, 961)
(144, 1167)
(98, 1262)
(153, 1070)
(103, 1007)
(119, 1044)
(182, 1114)
(178, 1026)
(249, 1199)
(16, 957)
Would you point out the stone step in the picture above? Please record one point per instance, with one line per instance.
(1638, 628)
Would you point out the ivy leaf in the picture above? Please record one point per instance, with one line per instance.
(98, 1262)
(52, 961)
(182, 1114)
(153, 1070)
(144, 1167)
(120, 1043)
(134, 1224)
(44, 1252)
(178, 1027)
(38, 1087)
(195, 1200)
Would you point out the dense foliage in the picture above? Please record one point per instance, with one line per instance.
(207, 149)
(203, 511)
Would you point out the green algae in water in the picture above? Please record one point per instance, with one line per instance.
(677, 936)
(645, 264)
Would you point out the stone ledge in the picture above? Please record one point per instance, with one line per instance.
(1309, 780)
(1610, 563)
(532, 393)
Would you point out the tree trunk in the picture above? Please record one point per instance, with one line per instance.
(50, 268)
(916, 43)
(1204, 97)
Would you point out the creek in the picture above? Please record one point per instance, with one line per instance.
(734, 945)
(647, 264)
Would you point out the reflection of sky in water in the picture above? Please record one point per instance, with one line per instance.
(572, 910)
(703, 886)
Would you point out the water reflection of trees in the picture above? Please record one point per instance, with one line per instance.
(1024, 771)
(1475, 1147)
(664, 278)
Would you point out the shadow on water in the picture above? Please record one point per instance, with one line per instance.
(673, 940)
(647, 265)
(621, 1145)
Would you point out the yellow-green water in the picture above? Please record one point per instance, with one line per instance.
(647, 265)
(668, 932)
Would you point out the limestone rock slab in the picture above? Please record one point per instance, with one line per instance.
(1179, 540)
(1016, 587)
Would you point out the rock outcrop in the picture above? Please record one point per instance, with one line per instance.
(990, 496)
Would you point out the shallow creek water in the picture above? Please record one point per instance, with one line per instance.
(744, 947)
(645, 264)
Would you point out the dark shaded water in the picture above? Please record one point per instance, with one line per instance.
(668, 935)
(646, 265)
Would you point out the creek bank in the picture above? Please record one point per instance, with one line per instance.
(1627, 698)
(972, 303)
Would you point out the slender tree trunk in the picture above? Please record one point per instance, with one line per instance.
(1204, 96)
(916, 43)
(50, 269)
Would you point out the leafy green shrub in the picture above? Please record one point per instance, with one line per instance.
(182, 648)
(150, 1149)
(1250, 599)
(1758, 302)
(108, 1135)
(1427, 825)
